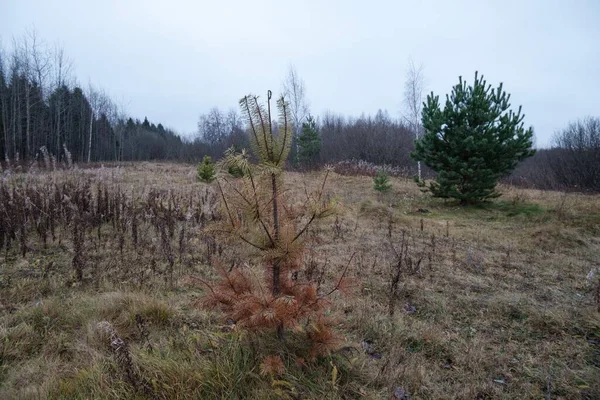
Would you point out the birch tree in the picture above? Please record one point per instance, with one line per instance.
(34, 67)
(26, 71)
(4, 102)
(62, 69)
(15, 71)
(40, 72)
(99, 104)
(413, 102)
(294, 91)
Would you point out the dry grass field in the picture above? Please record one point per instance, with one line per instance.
(449, 302)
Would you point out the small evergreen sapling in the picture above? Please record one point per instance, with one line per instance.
(309, 143)
(234, 171)
(382, 181)
(206, 170)
(472, 142)
(259, 215)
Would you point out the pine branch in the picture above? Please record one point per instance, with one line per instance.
(202, 281)
(301, 232)
(314, 215)
(269, 113)
(254, 191)
(285, 127)
(337, 286)
(226, 204)
(252, 244)
(257, 110)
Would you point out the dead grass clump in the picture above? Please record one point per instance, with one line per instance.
(19, 342)
(361, 167)
(124, 310)
(122, 356)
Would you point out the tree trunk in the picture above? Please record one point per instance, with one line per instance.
(89, 156)
(276, 266)
(4, 112)
(28, 121)
(276, 226)
(15, 118)
(58, 128)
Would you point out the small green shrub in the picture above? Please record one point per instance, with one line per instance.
(206, 170)
(236, 172)
(382, 181)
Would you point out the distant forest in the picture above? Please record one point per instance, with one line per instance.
(45, 110)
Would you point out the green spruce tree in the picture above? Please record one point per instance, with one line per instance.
(382, 181)
(206, 170)
(309, 143)
(472, 142)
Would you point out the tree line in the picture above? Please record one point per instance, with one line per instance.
(571, 163)
(43, 108)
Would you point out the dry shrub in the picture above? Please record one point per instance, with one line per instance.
(360, 167)
(94, 222)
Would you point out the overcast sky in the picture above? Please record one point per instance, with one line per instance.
(171, 60)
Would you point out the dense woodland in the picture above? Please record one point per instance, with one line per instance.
(42, 105)
(45, 110)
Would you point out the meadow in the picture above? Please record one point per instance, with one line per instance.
(99, 296)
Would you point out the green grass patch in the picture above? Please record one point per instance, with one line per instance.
(514, 209)
(487, 211)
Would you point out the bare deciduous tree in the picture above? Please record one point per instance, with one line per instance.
(217, 131)
(100, 104)
(294, 91)
(15, 71)
(41, 59)
(579, 145)
(376, 139)
(212, 126)
(42, 105)
(92, 96)
(62, 70)
(24, 52)
(3, 103)
(413, 101)
(39, 70)
(234, 121)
